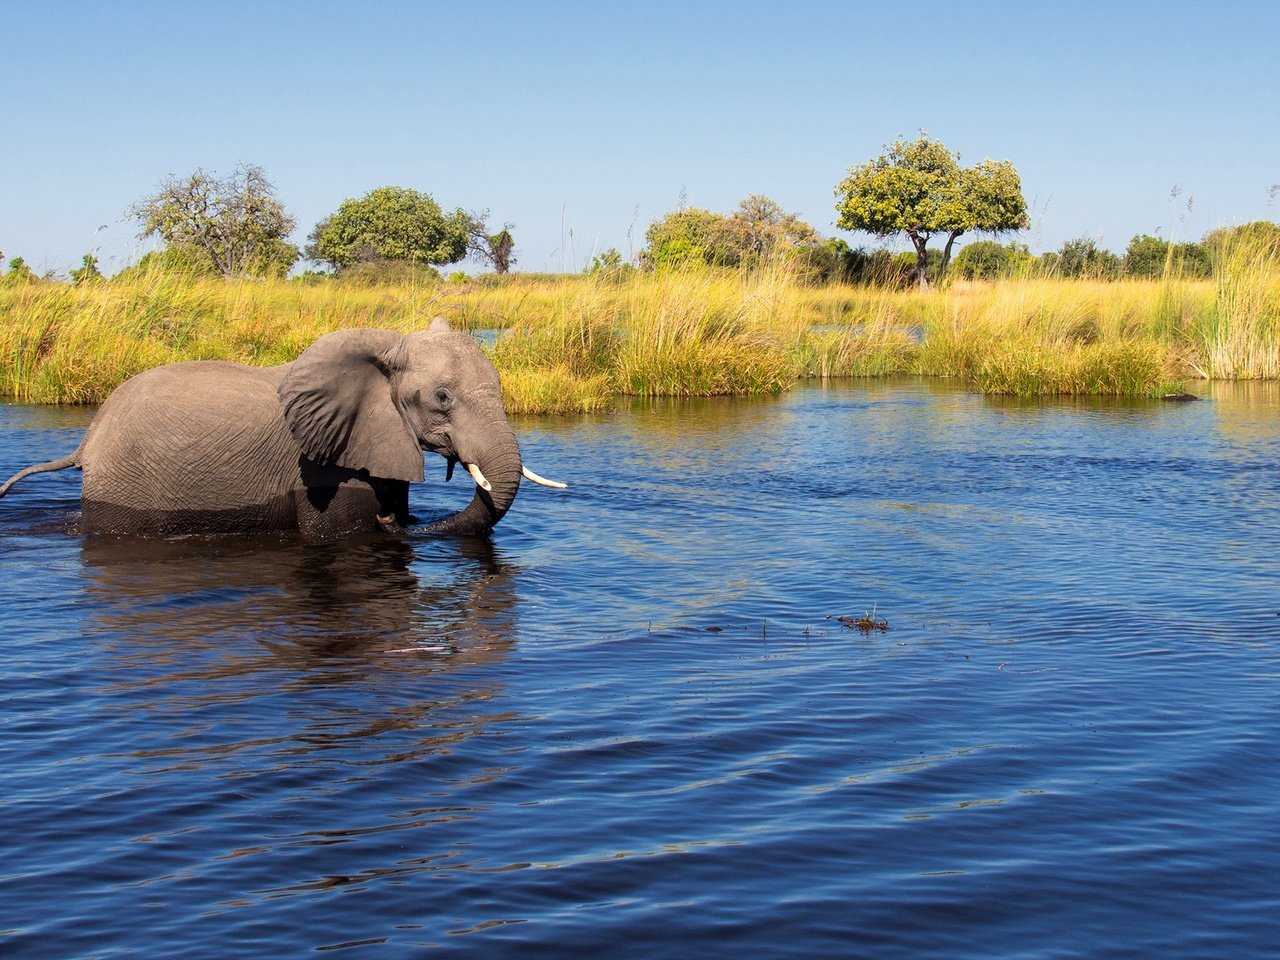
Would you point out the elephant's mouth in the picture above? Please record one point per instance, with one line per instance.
(493, 493)
(478, 476)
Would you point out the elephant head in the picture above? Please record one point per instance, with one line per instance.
(374, 400)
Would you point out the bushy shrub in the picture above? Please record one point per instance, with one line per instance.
(372, 273)
(19, 272)
(1082, 259)
(988, 260)
(1149, 258)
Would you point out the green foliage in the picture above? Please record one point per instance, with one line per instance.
(815, 264)
(687, 236)
(758, 232)
(1150, 258)
(904, 190)
(609, 264)
(1257, 232)
(883, 268)
(1147, 257)
(235, 223)
(919, 189)
(988, 260)
(390, 273)
(390, 223)
(1192, 261)
(19, 272)
(834, 261)
(88, 271)
(1082, 259)
(610, 259)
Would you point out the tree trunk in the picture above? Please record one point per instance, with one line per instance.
(946, 253)
(922, 258)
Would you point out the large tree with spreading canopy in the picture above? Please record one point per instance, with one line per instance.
(390, 223)
(919, 189)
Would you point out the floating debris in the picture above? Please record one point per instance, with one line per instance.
(865, 623)
(1180, 397)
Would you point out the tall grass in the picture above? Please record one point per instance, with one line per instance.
(74, 344)
(568, 344)
(673, 334)
(1240, 338)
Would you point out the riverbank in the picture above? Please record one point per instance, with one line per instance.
(573, 343)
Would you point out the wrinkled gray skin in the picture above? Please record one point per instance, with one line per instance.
(326, 445)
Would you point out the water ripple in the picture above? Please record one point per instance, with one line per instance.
(631, 725)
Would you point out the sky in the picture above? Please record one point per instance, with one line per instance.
(581, 123)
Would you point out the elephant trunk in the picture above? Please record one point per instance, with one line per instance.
(499, 463)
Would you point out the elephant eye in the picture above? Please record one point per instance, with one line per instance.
(443, 397)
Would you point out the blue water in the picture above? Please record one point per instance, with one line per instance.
(631, 726)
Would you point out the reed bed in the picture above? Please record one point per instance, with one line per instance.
(572, 343)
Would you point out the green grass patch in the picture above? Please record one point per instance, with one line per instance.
(556, 390)
(1113, 369)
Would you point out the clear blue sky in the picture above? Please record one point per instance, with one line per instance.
(582, 122)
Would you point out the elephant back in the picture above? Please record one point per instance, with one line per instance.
(186, 439)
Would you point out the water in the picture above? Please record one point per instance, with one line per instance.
(630, 725)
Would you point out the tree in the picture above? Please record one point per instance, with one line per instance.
(1147, 256)
(88, 271)
(609, 263)
(1083, 258)
(390, 223)
(1151, 258)
(919, 189)
(687, 235)
(759, 231)
(988, 260)
(19, 272)
(234, 222)
(491, 248)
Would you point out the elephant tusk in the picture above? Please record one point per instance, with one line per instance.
(478, 477)
(533, 477)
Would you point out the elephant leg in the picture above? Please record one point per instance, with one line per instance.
(352, 506)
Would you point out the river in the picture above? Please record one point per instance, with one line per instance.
(632, 723)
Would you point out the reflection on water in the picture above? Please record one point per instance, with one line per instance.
(631, 726)
(318, 602)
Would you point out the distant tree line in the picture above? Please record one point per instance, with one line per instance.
(234, 226)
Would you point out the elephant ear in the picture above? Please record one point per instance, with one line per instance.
(338, 404)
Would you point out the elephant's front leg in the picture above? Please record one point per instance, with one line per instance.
(330, 506)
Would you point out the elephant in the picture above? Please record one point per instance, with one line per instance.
(326, 445)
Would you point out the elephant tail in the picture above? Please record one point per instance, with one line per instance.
(62, 463)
